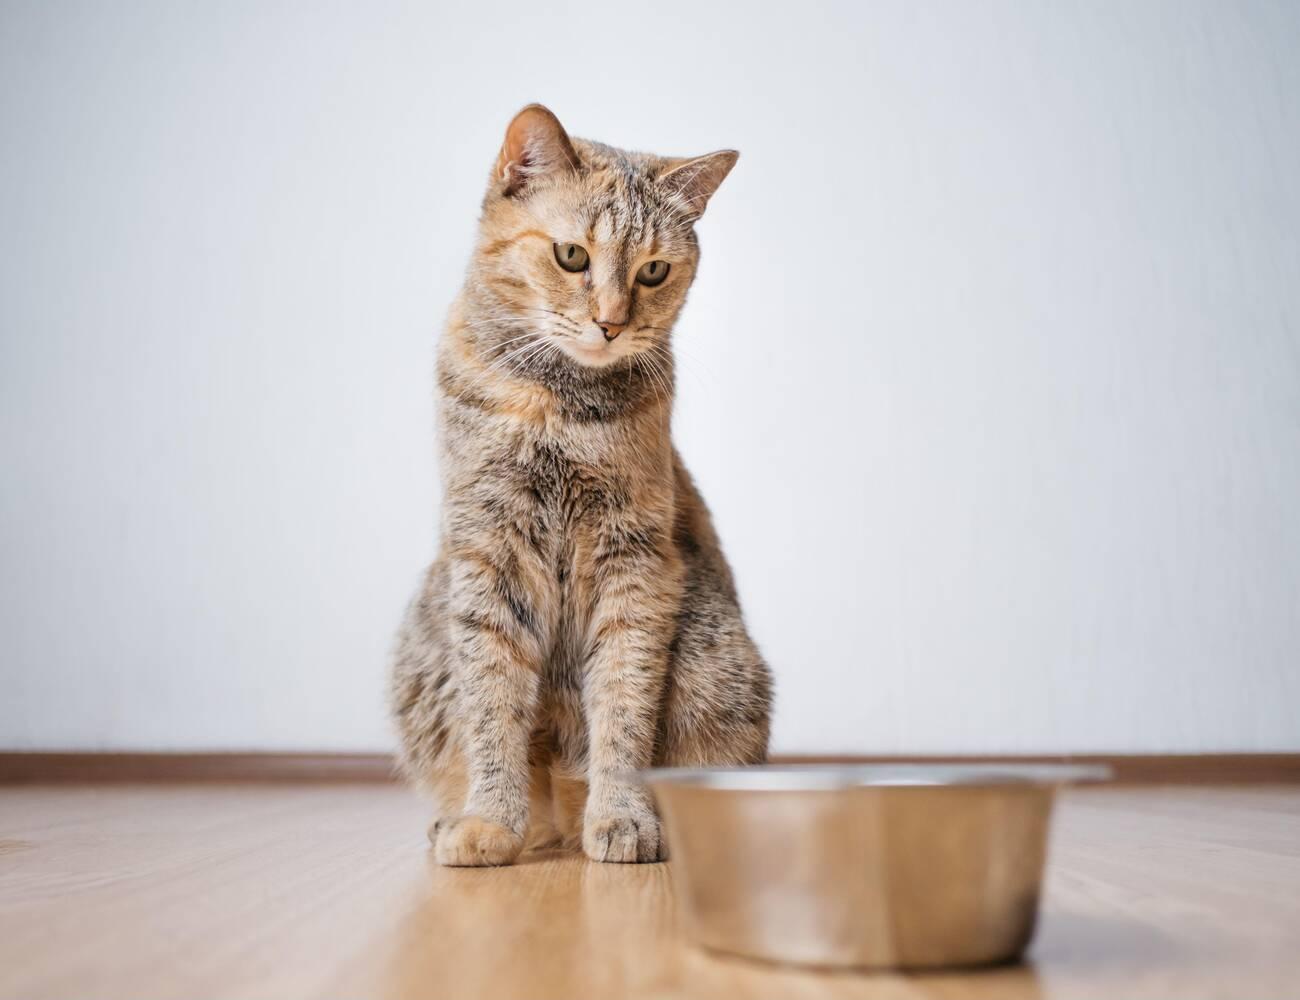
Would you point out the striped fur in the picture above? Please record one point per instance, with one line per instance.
(580, 620)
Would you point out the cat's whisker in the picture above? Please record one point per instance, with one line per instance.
(527, 357)
(509, 359)
(642, 365)
(687, 362)
(513, 340)
(569, 321)
(553, 312)
(497, 328)
(657, 372)
(697, 369)
(496, 367)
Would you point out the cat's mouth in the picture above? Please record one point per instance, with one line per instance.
(596, 355)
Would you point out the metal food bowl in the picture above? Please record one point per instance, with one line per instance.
(885, 866)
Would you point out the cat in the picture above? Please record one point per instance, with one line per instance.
(580, 621)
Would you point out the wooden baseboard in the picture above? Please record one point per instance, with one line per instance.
(45, 768)
(1129, 769)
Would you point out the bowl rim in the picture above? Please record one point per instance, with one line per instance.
(840, 777)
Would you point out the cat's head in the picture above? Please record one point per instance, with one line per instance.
(585, 249)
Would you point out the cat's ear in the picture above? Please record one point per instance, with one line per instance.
(694, 180)
(536, 144)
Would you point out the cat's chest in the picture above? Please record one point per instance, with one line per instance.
(571, 486)
(560, 488)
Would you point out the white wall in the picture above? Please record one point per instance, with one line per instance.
(992, 374)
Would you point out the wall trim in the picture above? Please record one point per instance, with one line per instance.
(88, 767)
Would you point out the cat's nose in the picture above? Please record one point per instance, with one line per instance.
(609, 329)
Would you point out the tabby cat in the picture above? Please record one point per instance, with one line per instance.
(580, 621)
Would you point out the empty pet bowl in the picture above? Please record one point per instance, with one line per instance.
(902, 866)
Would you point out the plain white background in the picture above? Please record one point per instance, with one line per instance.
(991, 374)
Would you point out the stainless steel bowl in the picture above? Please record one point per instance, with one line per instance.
(902, 866)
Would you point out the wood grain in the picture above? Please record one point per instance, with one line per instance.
(297, 891)
(80, 767)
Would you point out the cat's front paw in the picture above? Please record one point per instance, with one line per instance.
(628, 836)
(473, 842)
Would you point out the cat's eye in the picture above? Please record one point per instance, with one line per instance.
(653, 273)
(571, 257)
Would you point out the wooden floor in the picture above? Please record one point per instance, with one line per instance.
(328, 891)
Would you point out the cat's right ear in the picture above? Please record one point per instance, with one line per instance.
(536, 145)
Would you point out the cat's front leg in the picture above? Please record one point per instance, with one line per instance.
(639, 590)
(495, 632)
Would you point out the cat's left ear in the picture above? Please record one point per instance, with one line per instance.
(695, 180)
(536, 144)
